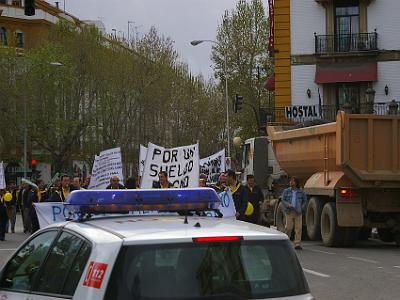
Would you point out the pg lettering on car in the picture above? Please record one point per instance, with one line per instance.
(95, 274)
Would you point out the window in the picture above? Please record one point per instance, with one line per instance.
(19, 39)
(348, 94)
(63, 268)
(3, 36)
(21, 272)
(16, 2)
(246, 156)
(249, 269)
(347, 25)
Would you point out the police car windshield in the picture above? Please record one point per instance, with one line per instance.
(228, 270)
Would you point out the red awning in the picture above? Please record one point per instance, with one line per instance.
(269, 85)
(339, 72)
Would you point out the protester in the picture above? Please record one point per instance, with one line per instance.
(130, 183)
(86, 183)
(63, 192)
(294, 201)
(203, 180)
(11, 207)
(26, 206)
(239, 193)
(256, 197)
(37, 195)
(114, 184)
(162, 182)
(3, 217)
(77, 182)
(221, 184)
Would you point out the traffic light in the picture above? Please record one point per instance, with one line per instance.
(29, 7)
(237, 105)
(33, 164)
(35, 171)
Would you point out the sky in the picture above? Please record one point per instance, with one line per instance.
(181, 20)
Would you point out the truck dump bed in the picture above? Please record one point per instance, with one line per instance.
(364, 147)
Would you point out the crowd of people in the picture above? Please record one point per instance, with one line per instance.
(247, 199)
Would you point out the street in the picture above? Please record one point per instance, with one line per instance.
(370, 270)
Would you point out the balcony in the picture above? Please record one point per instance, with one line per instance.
(327, 113)
(346, 43)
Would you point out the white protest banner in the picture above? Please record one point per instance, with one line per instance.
(181, 165)
(213, 166)
(142, 158)
(2, 177)
(50, 212)
(106, 165)
(53, 212)
(227, 207)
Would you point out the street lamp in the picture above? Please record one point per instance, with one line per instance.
(197, 42)
(54, 64)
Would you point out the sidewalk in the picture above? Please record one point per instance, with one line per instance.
(12, 241)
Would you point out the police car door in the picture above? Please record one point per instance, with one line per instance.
(48, 266)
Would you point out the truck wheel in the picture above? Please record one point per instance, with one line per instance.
(331, 233)
(313, 219)
(280, 218)
(385, 235)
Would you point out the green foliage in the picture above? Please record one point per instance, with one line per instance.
(243, 39)
(104, 95)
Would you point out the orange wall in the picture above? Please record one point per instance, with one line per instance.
(282, 53)
(35, 31)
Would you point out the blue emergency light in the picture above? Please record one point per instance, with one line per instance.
(117, 201)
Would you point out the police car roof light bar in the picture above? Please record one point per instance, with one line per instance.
(117, 201)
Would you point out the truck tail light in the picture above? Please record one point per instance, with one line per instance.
(216, 239)
(348, 193)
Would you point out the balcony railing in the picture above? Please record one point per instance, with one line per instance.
(342, 43)
(327, 113)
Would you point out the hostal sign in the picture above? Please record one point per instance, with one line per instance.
(301, 111)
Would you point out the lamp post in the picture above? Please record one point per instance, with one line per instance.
(129, 27)
(197, 42)
(54, 64)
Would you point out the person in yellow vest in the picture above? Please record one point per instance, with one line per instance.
(3, 216)
(63, 192)
(256, 197)
(162, 182)
(239, 194)
(77, 182)
(37, 195)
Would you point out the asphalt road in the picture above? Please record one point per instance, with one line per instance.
(370, 270)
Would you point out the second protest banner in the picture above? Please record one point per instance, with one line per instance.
(106, 165)
(181, 164)
(213, 166)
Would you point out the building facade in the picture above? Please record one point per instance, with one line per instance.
(337, 54)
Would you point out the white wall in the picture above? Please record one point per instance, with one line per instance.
(384, 15)
(15, 12)
(388, 74)
(306, 17)
(303, 79)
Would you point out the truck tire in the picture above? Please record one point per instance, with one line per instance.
(385, 235)
(280, 218)
(331, 233)
(313, 219)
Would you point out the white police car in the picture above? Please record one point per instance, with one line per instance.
(153, 257)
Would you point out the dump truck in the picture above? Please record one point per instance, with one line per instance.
(350, 170)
